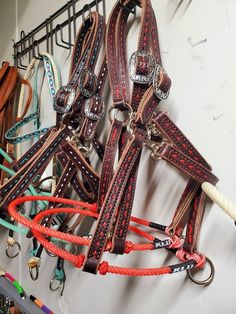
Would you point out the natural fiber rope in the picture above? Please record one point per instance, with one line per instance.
(34, 262)
(220, 199)
(10, 241)
(21, 99)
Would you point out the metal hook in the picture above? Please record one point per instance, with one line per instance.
(30, 42)
(22, 49)
(104, 9)
(69, 26)
(128, 9)
(51, 34)
(38, 56)
(85, 8)
(97, 9)
(58, 27)
(47, 35)
(74, 18)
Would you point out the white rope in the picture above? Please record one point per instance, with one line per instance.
(220, 199)
(34, 262)
(11, 241)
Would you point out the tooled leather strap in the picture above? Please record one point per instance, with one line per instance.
(119, 81)
(193, 197)
(76, 183)
(112, 200)
(19, 183)
(148, 55)
(146, 109)
(78, 159)
(110, 154)
(85, 55)
(171, 132)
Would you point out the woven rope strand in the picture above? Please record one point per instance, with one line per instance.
(220, 199)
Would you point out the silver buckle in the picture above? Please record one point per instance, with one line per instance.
(156, 82)
(91, 78)
(60, 95)
(92, 115)
(138, 78)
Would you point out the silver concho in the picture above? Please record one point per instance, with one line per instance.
(93, 78)
(156, 82)
(138, 78)
(92, 115)
(69, 99)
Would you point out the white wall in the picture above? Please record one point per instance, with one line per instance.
(202, 103)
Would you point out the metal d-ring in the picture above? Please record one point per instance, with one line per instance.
(61, 285)
(207, 281)
(34, 275)
(114, 117)
(8, 247)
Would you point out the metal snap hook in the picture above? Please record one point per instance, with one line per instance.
(10, 246)
(207, 281)
(34, 274)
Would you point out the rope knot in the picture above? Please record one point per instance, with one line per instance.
(128, 247)
(94, 208)
(200, 260)
(79, 261)
(181, 254)
(34, 262)
(11, 241)
(103, 268)
(176, 242)
(185, 256)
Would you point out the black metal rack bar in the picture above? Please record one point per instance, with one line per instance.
(50, 30)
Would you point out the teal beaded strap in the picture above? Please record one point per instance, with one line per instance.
(11, 133)
(54, 82)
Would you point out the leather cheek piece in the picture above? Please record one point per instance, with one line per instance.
(165, 82)
(94, 110)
